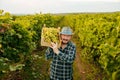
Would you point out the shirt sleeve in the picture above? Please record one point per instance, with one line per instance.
(49, 53)
(69, 58)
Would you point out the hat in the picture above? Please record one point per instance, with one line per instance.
(66, 30)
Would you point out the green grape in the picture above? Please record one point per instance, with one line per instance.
(51, 35)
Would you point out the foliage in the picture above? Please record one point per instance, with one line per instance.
(19, 37)
(16, 43)
(99, 38)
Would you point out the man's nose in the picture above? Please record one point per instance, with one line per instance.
(65, 37)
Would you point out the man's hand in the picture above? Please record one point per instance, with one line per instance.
(54, 46)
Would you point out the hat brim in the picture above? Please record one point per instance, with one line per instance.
(66, 33)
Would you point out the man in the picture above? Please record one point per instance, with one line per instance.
(63, 57)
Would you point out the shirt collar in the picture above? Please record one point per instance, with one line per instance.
(68, 44)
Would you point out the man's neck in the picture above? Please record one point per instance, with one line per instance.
(63, 45)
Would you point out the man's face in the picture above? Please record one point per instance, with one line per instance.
(65, 38)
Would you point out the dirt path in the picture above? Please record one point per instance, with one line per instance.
(79, 69)
(80, 66)
(83, 70)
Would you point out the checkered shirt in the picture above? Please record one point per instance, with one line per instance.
(61, 65)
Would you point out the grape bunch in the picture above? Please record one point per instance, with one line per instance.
(50, 35)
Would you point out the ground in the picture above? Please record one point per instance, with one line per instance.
(83, 70)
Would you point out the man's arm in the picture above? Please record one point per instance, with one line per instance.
(68, 57)
(63, 56)
(49, 53)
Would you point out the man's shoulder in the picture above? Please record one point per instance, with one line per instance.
(72, 44)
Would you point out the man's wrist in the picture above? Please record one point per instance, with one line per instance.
(57, 52)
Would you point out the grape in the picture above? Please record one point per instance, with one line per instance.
(50, 35)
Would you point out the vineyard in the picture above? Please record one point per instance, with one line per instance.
(22, 57)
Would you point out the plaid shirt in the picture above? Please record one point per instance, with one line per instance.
(61, 65)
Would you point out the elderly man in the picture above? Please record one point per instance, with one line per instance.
(62, 57)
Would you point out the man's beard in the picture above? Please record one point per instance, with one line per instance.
(64, 40)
